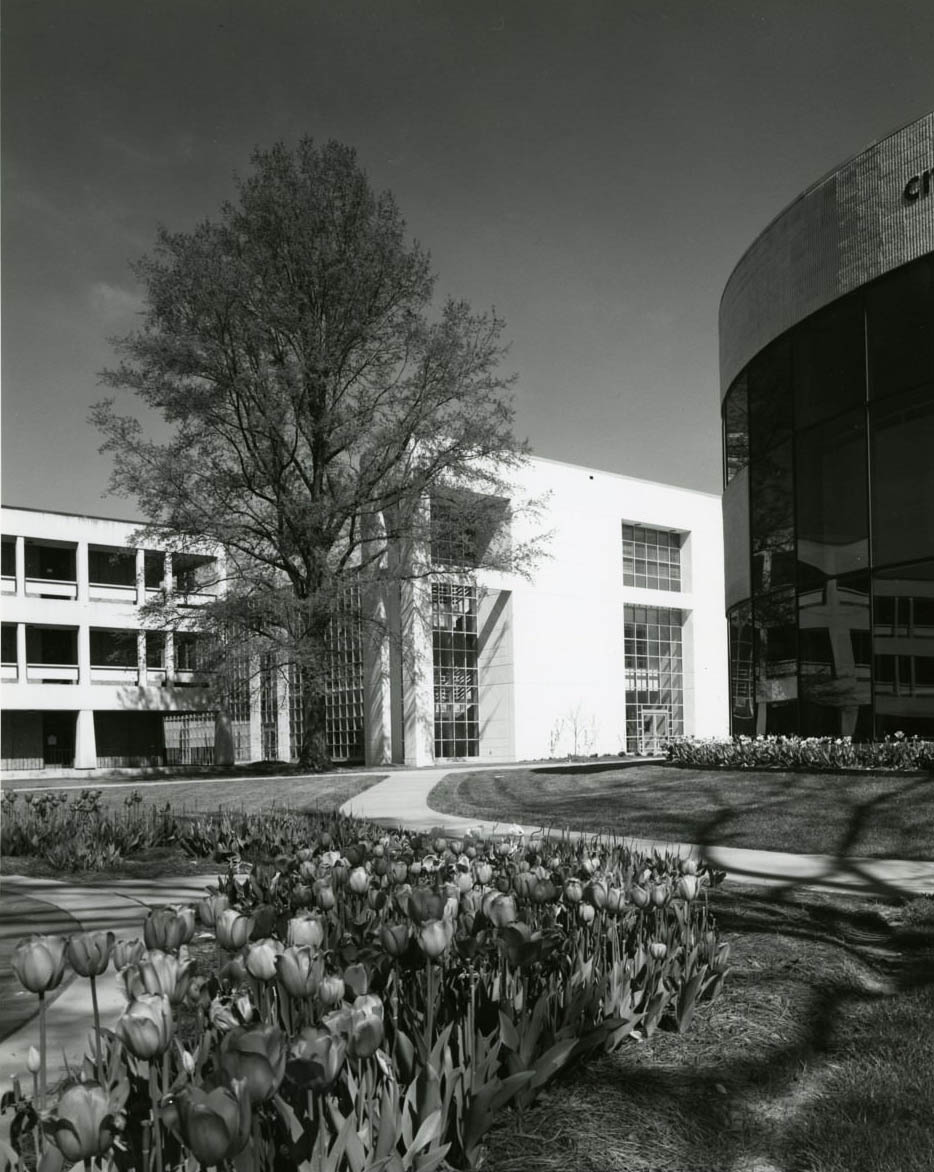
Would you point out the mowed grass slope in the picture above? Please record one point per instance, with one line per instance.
(890, 816)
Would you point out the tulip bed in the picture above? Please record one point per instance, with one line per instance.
(893, 754)
(371, 1001)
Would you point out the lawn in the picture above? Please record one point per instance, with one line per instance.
(889, 816)
(817, 1057)
(296, 791)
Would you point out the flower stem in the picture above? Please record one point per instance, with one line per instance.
(430, 1004)
(154, 1099)
(42, 1046)
(97, 1031)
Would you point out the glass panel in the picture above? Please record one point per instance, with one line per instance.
(111, 648)
(9, 558)
(776, 655)
(903, 648)
(900, 313)
(831, 492)
(742, 698)
(155, 649)
(833, 621)
(654, 673)
(829, 364)
(770, 397)
(155, 569)
(456, 670)
(902, 455)
(9, 643)
(771, 499)
(111, 567)
(651, 558)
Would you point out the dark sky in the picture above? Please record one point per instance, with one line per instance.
(594, 170)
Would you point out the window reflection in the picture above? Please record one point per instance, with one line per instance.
(742, 682)
(829, 363)
(902, 455)
(770, 400)
(832, 521)
(899, 314)
(771, 492)
(834, 658)
(776, 651)
(903, 649)
(736, 428)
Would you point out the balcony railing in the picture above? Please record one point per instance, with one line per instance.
(52, 673)
(8, 584)
(52, 587)
(113, 674)
(9, 671)
(110, 592)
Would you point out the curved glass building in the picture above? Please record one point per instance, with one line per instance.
(827, 377)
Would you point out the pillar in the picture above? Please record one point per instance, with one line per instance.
(140, 577)
(169, 657)
(256, 716)
(84, 652)
(85, 741)
(283, 732)
(224, 752)
(21, 566)
(21, 651)
(377, 690)
(167, 575)
(418, 673)
(141, 671)
(81, 570)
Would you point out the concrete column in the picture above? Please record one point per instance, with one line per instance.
(418, 673)
(81, 570)
(140, 577)
(396, 689)
(167, 575)
(256, 722)
(21, 566)
(170, 657)
(84, 654)
(141, 659)
(377, 690)
(20, 651)
(85, 741)
(283, 738)
(224, 753)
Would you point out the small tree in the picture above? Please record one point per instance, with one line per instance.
(314, 404)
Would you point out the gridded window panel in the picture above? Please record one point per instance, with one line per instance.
(651, 558)
(456, 673)
(654, 674)
(189, 738)
(269, 706)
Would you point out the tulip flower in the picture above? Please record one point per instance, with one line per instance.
(687, 887)
(394, 938)
(484, 873)
(424, 905)
(146, 1027)
(127, 952)
(434, 937)
(658, 949)
(89, 953)
(214, 1125)
(324, 894)
(233, 929)
(161, 973)
(306, 931)
(502, 911)
(596, 893)
(586, 913)
(358, 880)
(366, 1026)
(331, 991)
(660, 894)
(639, 897)
(261, 957)
(689, 866)
(168, 928)
(39, 963)
(84, 1123)
(615, 900)
(210, 908)
(573, 890)
(221, 1016)
(356, 979)
(315, 1058)
(300, 971)
(256, 1053)
(33, 1060)
(398, 871)
(544, 892)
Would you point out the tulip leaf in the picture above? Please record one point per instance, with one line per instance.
(552, 1061)
(426, 1134)
(289, 1117)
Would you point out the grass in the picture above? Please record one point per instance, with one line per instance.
(817, 1057)
(301, 792)
(21, 916)
(874, 816)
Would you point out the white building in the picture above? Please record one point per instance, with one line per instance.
(617, 643)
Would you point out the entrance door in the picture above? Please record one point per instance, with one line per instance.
(654, 731)
(58, 738)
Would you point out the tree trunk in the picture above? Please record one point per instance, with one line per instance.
(315, 752)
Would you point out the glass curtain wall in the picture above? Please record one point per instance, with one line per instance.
(654, 676)
(456, 670)
(835, 421)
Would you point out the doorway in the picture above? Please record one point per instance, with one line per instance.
(654, 731)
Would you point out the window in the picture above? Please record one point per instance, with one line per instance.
(770, 399)
(828, 362)
(155, 649)
(112, 648)
(193, 574)
(466, 526)
(111, 567)
(834, 656)
(902, 477)
(54, 563)
(345, 692)
(269, 705)
(772, 525)
(456, 670)
(9, 643)
(903, 649)
(736, 429)
(8, 568)
(651, 558)
(742, 680)
(899, 312)
(154, 569)
(654, 671)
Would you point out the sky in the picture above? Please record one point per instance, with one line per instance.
(592, 168)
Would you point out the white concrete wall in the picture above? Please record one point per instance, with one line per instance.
(567, 623)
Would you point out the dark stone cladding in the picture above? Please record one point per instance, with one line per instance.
(850, 227)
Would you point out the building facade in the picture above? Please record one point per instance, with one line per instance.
(827, 401)
(616, 643)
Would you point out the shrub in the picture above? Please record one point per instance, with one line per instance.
(813, 754)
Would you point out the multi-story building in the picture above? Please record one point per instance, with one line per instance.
(615, 643)
(827, 375)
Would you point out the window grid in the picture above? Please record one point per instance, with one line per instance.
(654, 669)
(651, 558)
(456, 670)
(268, 706)
(344, 699)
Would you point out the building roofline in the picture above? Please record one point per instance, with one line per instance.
(623, 476)
(83, 516)
(813, 187)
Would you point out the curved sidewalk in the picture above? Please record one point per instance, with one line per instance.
(402, 800)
